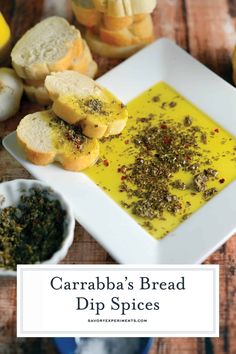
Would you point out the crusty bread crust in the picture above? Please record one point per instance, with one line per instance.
(134, 34)
(37, 94)
(31, 63)
(36, 157)
(144, 28)
(92, 69)
(121, 8)
(85, 16)
(117, 23)
(81, 63)
(119, 38)
(70, 161)
(139, 17)
(111, 51)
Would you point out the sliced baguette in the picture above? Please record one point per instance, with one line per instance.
(112, 51)
(78, 99)
(36, 91)
(135, 33)
(45, 139)
(37, 94)
(92, 69)
(87, 4)
(81, 63)
(117, 23)
(143, 29)
(88, 17)
(121, 8)
(48, 46)
(35, 83)
(119, 38)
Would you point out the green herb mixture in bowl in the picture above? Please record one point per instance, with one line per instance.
(36, 225)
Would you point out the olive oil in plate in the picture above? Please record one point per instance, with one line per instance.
(169, 161)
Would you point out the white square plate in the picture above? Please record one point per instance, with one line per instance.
(110, 225)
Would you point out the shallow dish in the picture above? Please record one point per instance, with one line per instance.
(68, 345)
(10, 193)
(123, 238)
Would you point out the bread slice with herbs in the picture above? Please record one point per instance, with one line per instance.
(48, 46)
(77, 99)
(36, 91)
(45, 138)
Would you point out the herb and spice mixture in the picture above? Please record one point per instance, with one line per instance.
(31, 231)
(169, 161)
(67, 137)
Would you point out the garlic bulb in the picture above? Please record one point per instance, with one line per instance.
(11, 90)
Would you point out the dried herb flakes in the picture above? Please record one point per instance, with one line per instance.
(31, 231)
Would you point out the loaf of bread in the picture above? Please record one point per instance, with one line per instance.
(49, 46)
(78, 99)
(45, 138)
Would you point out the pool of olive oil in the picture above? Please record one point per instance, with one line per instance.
(160, 103)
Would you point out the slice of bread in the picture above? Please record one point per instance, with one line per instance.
(35, 83)
(139, 17)
(117, 23)
(48, 46)
(92, 69)
(112, 51)
(78, 99)
(121, 8)
(45, 138)
(120, 38)
(81, 63)
(88, 17)
(133, 34)
(37, 94)
(143, 29)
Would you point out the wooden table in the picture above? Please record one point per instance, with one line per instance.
(206, 29)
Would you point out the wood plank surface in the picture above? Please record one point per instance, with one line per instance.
(205, 28)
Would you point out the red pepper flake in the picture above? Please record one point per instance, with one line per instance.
(126, 142)
(123, 178)
(188, 157)
(167, 140)
(216, 130)
(222, 180)
(164, 126)
(106, 163)
(119, 170)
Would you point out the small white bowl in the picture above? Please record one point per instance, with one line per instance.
(10, 193)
